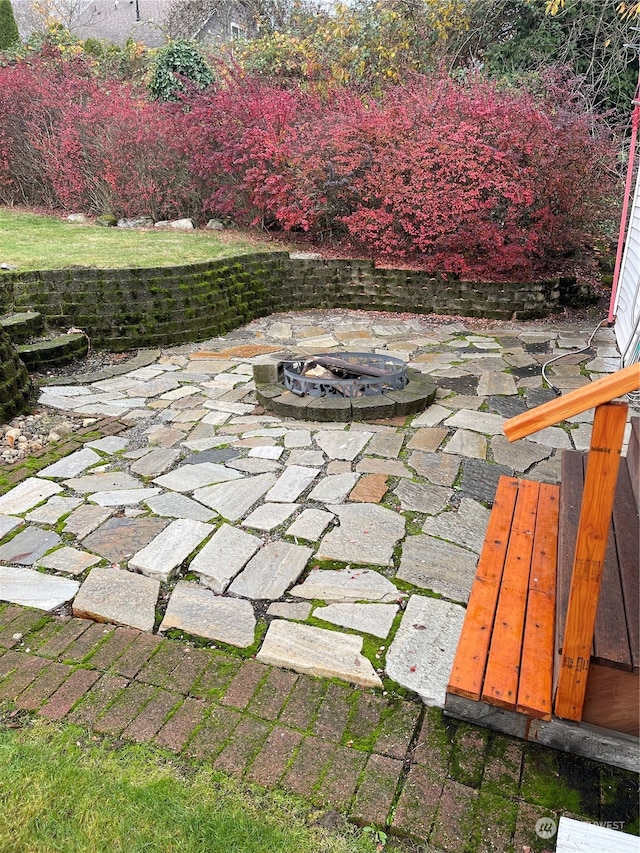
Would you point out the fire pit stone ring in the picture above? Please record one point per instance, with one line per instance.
(342, 386)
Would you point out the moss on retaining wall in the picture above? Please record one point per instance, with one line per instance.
(124, 309)
(16, 390)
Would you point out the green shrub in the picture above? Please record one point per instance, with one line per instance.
(177, 62)
(8, 28)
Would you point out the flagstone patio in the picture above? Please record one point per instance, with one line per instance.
(209, 509)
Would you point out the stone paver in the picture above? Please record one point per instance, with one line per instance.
(9, 524)
(347, 585)
(49, 513)
(466, 526)
(421, 654)
(298, 610)
(119, 596)
(161, 557)
(272, 571)
(85, 519)
(226, 553)
(27, 495)
(69, 560)
(20, 585)
(341, 444)
(155, 462)
(422, 498)
(476, 422)
(366, 535)
(375, 619)
(496, 383)
(387, 444)
(270, 515)
(437, 565)
(187, 478)
(123, 497)
(118, 539)
(440, 469)
(310, 524)
(199, 612)
(370, 488)
(427, 439)
(467, 444)
(519, 455)
(104, 481)
(72, 465)
(315, 651)
(291, 483)
(334, 488)
(233, 500)
(28, 546)
(176, 505)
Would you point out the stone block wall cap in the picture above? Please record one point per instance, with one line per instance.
(305, 256)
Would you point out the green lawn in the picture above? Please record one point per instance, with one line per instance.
(63, 790)
(31, 242)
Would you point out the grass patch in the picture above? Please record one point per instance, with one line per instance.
(63, 791)
(35, 242)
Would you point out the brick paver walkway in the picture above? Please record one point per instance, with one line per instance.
(383, 760)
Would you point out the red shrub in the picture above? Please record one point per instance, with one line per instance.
(68, 140)
(462, 178)
(458, 177)
(33, 99)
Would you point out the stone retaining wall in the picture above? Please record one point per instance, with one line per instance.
(16, 390)
(127, 308)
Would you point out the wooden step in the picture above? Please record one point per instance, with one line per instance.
(505, 653)
(22, 326)
(54, 351)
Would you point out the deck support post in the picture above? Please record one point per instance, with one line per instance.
(593, 527)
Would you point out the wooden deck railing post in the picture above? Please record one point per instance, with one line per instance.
(593, 528)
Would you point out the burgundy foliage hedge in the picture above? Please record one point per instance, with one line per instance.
(455, 176)
(68, 140)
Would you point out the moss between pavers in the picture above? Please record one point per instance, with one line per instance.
(503, 766)
(543, 785)
(303, 702)
(468, 754)
(494, 824)
(213, 682)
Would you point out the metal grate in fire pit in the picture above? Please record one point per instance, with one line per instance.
(345, 374)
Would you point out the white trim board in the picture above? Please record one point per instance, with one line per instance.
(577, 837)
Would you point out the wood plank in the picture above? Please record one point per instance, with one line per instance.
(577, 837)
(585, 739)
(612, 699)
(626, 525)
(505, 652)
(580, 400)
(610, 637)
(467, 673)
(593, 528)
(571, 487)
(536, 672)
(352, 367)
(624, 537)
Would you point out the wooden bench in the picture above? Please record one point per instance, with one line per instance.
(549, 648)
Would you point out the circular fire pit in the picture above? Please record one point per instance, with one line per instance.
(342, 386)
(345, 374)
